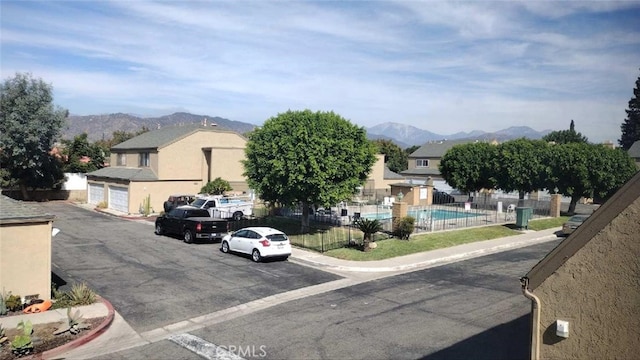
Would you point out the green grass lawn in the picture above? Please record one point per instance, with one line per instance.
(324, 236)
(419, 243)
(547, 223)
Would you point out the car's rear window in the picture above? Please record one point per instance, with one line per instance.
(277, 237)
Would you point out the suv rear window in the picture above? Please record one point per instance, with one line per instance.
(277, 237)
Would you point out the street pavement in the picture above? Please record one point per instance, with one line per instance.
(121, 336)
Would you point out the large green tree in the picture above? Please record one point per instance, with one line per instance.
(394, 157)
(566, 136)
(580, 170)
(79, 149)
(308, 158)
(521, 167)
(30, 124)
(631, 125)
(470, 167)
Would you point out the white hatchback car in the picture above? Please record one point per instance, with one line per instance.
(259, 242)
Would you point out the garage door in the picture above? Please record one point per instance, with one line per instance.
(96, 194)
(119, 198)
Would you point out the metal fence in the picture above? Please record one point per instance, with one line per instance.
(334, 227)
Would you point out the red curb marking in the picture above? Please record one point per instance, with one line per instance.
(86, 338)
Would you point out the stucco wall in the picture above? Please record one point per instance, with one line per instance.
(159, 191)
(184, 159)
(25, 259)
(226, 163)
(598, 292)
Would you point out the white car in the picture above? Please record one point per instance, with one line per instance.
(259, 242)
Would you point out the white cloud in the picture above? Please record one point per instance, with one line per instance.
(450, 66)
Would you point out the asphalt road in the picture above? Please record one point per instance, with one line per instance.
(155, 280)
(472, 309)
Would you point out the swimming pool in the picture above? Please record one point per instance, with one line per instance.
(436, 214)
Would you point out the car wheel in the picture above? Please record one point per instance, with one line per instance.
(284, 258)
(225, 247)
(255, 255)
(237, 216)
(188, 237)
(158, 229)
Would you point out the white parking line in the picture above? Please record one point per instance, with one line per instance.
(266, 272)
(203, 348)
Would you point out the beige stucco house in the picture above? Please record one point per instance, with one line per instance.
(590, 282)
(378, 184)
(25, 249)
(167, 161)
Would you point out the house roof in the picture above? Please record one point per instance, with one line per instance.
(164, 136)
(14, 211)
(126, 173)
(634, 150)
(624, 197)
(437, 149)
(390, 175)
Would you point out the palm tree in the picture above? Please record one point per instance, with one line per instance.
(368, 228)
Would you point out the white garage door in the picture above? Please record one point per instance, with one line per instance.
(119, 198)
(96, 194)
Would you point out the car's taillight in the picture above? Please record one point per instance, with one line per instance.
(265, 242)
(199, 227)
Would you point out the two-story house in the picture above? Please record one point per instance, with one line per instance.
(425, 161)
(166, 161)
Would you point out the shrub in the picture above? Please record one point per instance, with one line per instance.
(102, 205)
(403, 227)
(216, 187)
(80, 294)
(13, 302)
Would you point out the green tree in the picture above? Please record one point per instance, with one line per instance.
(580, 170)
(308, 158)
(566, 136)
(631, 125)
(470, 167)
(78, 148)
(521, 166)
(216, 187)
(611, 169)
(411, 149)
(29, 126)
(394, 157)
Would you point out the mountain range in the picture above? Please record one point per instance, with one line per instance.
(100, 127)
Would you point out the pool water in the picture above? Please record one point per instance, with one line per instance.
(437, 214)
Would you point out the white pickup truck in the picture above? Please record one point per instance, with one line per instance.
(224, 207)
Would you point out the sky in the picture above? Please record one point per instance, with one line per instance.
(441, 66)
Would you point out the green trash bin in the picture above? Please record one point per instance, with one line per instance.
(523, 215)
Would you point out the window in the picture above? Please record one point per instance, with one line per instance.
(422, 162)
(144, 159)
(122, 159)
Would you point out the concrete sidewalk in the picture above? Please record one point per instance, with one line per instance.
(120, 336)
(428, 258)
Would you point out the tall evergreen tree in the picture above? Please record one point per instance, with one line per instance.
(631, 125)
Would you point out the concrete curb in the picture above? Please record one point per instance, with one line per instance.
(426, 263)
(85, 338)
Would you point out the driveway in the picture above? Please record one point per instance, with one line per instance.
(157, 280)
